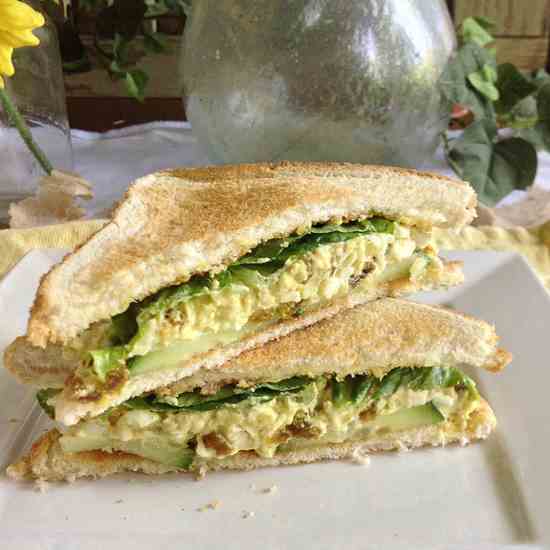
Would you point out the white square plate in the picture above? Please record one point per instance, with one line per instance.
(486, 496)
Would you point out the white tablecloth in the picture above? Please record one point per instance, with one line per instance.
(111, 161)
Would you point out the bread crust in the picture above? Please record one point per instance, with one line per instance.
(47, 367)
(46, 460)
(174, 224)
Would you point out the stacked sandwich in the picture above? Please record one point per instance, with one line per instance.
(244, 316)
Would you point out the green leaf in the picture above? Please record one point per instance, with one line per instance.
(475, 30)
(535, 135)
(362, 386)
(494, 168)
(442, 377)
(43, 396)
(543, 103)
(172, 296)
(120, 49)
(485, 22)
(123, 327)
(351, 390)
(484, 82)
(540, 77)
(540, 134)
(229, 395)
(290, 384)
(116, 69)
(514, 165)
(523, 115)
(513, 87)
(389, 384)
(456, 86)
(105, 360)
(136, 81)
(155, 42)
(81, 65)
(90, 5)
(342, 391)
(123, 17)
(277, 251)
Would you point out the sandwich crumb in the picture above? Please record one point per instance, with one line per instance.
(247, 514)
(119, 501)
(41, 485)
(252, 486)
(401, 447)
(200, 473)
(214, 505)
(360, 456)
(270, 490)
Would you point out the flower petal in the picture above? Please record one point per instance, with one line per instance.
(6, 66)
(17, 15)
(17, 39)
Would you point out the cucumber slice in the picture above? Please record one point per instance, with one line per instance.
(173, 355)
(414, 417)
(153, 449)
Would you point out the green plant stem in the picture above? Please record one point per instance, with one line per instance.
(447, 150)
(19, 122)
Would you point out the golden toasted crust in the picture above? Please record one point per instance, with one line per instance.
(177, 223)
(47, 461)
(47, 367)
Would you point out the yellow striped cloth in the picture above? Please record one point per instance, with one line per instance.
(534, 244)
(15, 243)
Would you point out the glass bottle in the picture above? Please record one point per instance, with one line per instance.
(38, 90)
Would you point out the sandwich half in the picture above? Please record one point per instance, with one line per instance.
(199, 265)
(377, 377)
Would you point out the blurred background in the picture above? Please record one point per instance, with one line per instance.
(97, 102)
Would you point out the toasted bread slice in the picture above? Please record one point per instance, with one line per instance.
(175, 224)
(46, 460)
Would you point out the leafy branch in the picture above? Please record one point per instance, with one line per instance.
(500, 97)
(118, 25)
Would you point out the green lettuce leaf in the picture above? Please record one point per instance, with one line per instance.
(356, 389)
(107, 359)
(278, 251)
(43, 396)
(229, 395)
(350, 390)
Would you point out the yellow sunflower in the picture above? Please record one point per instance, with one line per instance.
(17, 21)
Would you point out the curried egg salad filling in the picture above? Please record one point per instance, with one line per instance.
(190, 429)
(279, 279)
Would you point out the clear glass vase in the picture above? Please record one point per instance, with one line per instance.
(354, 80)
(37, 88)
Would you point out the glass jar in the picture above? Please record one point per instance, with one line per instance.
(38, 90)
(354, 80)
